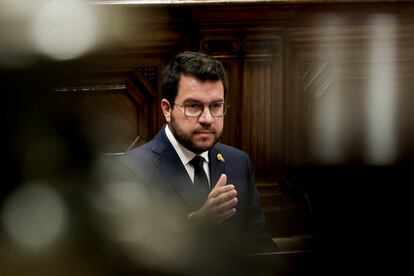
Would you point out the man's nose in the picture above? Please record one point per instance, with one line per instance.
(205, 116)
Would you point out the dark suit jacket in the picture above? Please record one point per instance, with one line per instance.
(157, 166)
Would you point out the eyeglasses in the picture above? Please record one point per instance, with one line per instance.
(195, 109)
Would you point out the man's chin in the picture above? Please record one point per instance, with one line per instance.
(201, 147)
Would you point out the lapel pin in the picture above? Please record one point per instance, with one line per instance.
(220, 157)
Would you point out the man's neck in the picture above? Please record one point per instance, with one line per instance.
(185, 154)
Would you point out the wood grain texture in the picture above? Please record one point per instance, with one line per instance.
(288, 64)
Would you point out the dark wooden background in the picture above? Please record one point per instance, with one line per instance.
(283, 61)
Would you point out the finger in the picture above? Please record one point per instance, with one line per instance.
(228, 214)
(221, 183)
(225, 196)
(222, 190)
(225, 206)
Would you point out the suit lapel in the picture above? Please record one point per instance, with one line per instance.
(170, 165)
(217, 167)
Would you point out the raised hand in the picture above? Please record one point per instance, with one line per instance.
(220, 203)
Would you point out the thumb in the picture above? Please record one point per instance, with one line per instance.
(221, 182)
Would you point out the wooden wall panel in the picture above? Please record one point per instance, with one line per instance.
(232, 122)
(262, 102)
(113, 117)
(225, 45)
(110, 118)
(328, 64)
(257, 114)
(288, 65)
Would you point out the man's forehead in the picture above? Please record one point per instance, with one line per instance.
(189, 77)
(189, 86)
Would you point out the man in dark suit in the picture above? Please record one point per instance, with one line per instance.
(220, 195)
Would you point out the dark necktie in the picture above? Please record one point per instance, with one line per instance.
(201, 186)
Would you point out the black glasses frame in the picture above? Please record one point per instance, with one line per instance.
(225, 107)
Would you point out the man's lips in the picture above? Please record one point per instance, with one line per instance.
(204, 132)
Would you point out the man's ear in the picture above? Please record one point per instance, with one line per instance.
(166, 109)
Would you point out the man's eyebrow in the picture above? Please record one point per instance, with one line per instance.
(190, 100)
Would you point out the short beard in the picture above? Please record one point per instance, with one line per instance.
(185, 139)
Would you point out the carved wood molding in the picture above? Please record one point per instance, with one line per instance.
(220, 45)
(241, 42)
(150, 74)
(265, 43)
(260, 46)
(144, 78)
(91, 88)
(235, 2)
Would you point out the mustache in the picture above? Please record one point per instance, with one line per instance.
(204, 129)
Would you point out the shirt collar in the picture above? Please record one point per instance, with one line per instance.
(184, 154)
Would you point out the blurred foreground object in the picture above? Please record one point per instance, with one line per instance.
(45, 227)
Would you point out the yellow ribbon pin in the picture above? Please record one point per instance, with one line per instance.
(220, 157)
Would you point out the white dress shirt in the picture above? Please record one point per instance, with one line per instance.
(186, 155)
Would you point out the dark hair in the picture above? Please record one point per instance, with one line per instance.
(198, 65)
